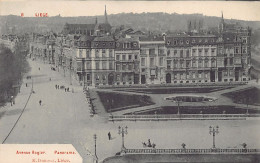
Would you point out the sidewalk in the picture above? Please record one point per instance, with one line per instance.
(10, 114)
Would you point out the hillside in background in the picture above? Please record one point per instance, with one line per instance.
(144, 21)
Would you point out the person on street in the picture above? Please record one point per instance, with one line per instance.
(109, 136)
(149, 143)
(40, 102)
(39, 68)
(12, 98)
(26, 84)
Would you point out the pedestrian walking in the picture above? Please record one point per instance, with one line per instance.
(39, 68)
(68, 89)
(26, 84)
(40, 102)
(65, 89)
(50, 79)
(56, 86)
(109, 136)
(12, 98)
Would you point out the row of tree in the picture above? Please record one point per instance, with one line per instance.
(13, 65)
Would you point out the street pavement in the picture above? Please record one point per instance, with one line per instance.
(64, 118)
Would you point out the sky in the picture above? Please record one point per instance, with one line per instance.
(231, 9)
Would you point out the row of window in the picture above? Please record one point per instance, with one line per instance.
(181, 53)
(152, 61)
(125, 57)
(181, 42)
(104, 65)
(125, 67)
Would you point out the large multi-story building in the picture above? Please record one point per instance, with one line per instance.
(127, 59)
(152, 58)
(188, 57)
(191, 59)
(102, 61)
(234, 50)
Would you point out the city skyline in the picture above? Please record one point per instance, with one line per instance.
(247, 10)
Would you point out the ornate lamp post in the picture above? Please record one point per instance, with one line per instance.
(213, 130)
(122, 131)
(178, 101)
(95, 159)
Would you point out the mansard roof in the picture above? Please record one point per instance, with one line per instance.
(151, 38)
(127, 40)
(104, 38)
(86, 38)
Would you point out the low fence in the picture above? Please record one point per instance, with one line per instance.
(193, 151)
(182, 117)
(172, 85)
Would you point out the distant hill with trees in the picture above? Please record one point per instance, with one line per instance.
(144, 21)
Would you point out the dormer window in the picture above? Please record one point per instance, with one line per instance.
(168, 42)
(187, 42)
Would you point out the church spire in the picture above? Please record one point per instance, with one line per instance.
(222, 17)
(106, 21)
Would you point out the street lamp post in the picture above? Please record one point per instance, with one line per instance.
(122, 131)
(95, 156)
(213, 130)
(178, 103)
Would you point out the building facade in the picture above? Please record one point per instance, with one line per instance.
(104, 59)
(152, 58)
(127, 59)
(191, 59)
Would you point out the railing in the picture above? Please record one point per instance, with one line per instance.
(193, 151)
(216, 84)
(161, 117)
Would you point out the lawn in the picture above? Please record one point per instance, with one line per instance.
(249, 96)
(198, 110)
(177, 90)
(119, 101)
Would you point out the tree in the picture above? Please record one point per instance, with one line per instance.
(12, 68)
